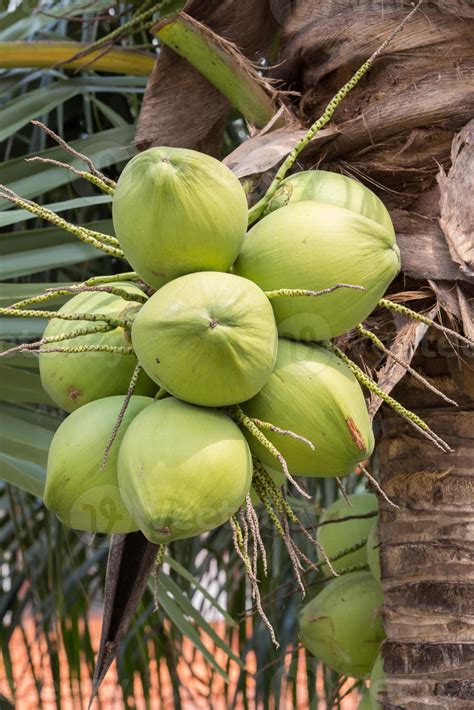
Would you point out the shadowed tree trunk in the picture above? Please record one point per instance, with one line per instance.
(397, 127)
(427, 551)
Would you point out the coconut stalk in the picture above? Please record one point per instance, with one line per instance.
(129, 564)
(200, 122)
(223, 65)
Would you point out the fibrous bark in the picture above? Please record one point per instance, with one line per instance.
(427, 547)
(406, 119)
(397, 126)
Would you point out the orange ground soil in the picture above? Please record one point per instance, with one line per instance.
(207, 694)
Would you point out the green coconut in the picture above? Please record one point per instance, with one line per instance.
(341, 625)
(312, 393)
(176, 211)
(84, 495)
(312, 245)
(73, 379)
(333, 189)
(278, 478)
(373, 551)
(364, 703)
(377, 683)
(183, 470)
(207, 338)
(335, 537)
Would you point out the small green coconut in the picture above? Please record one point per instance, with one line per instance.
(207, 338)
(373, 552)
(183, 470)
(311, 392)
(312, 245)
(335, 537)
(332, 189)
(176, 211)
(73, 379)
(364, 703)
(378, 685)
(341, 625)
(84, 495)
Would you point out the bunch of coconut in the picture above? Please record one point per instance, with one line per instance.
(226, 328)
(342, 625)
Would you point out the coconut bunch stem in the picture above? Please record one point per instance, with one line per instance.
(112, 278)
(297, 292)
(93, 175)
(259, 208)
(363, 516)
(80, 173)
(252, 519)
(52, 293)
(379, 344)
(160, 556)
(111, 349)
(241, 547)
(274, 500)
(131, 389)
(414, 315)
(252, 427)
(372, 386)
(342, 491)
(103, 242)
(28, 347)
(378, 487)
(93, 317)
(348, 550)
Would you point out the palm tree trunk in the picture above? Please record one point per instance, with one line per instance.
(427, 546)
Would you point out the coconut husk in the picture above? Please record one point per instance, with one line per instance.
(198, 120)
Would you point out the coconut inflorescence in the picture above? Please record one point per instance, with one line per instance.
(276, 476)
(235, 329)
(231, 333)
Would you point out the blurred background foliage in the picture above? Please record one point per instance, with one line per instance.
(52, 578)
